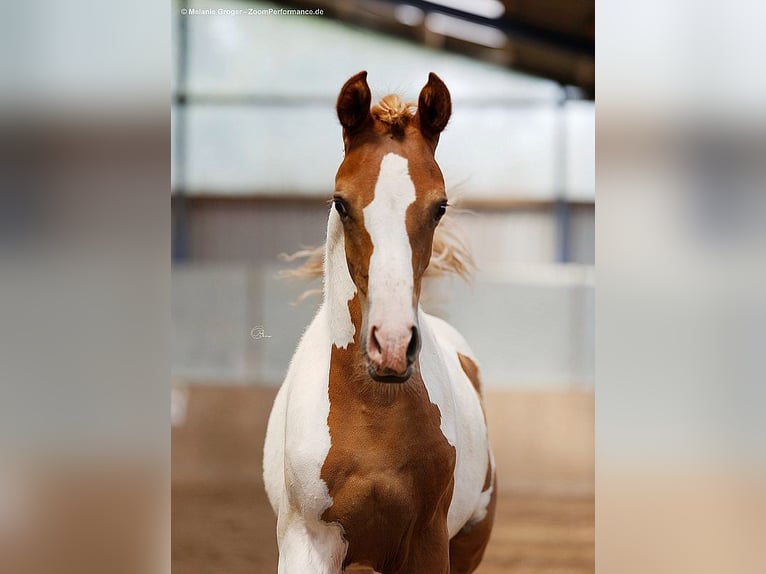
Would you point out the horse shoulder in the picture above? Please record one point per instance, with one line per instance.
(471, 442)
(298, 438)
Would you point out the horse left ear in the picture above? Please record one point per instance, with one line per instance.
(434, 107)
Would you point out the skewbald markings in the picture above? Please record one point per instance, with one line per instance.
(390, 472)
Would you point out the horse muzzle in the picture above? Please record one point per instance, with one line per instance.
(390, 355)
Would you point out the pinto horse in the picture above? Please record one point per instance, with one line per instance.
(376, 451)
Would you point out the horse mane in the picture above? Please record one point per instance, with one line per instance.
(449, 256)
(393, 112)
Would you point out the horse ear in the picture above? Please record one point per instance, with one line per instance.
(354, 103)
(434, 107)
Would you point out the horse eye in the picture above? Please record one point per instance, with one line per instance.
(340, 207)
(440, 211)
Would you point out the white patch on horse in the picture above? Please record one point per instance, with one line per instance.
(339, 287)
(462, 418)
(481, 512)
(390, 272)
(297, 443)
(304, 546)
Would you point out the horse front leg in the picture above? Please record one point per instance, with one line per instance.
(310, 546)
(428, 551)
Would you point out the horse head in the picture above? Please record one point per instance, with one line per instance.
(390, 196)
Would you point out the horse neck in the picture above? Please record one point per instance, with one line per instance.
(339, 289)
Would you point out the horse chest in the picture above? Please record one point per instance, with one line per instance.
(398, 493)
(375, 463)
(389, 469)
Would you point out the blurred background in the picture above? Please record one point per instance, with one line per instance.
(85, 285)
(256, 144)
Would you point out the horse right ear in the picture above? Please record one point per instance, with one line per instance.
(354, 103)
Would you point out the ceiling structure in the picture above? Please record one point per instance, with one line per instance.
(549, 38)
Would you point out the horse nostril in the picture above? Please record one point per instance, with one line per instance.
(374, 343)
(413, 347)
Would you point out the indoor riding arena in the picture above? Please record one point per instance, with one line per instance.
(256, 146)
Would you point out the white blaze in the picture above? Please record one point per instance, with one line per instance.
(390, 273)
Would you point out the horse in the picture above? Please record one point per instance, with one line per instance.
(376, 451)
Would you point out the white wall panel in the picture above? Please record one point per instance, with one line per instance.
(532, 328)
(283, 137)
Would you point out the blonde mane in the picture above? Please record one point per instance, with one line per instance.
(392, 111)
